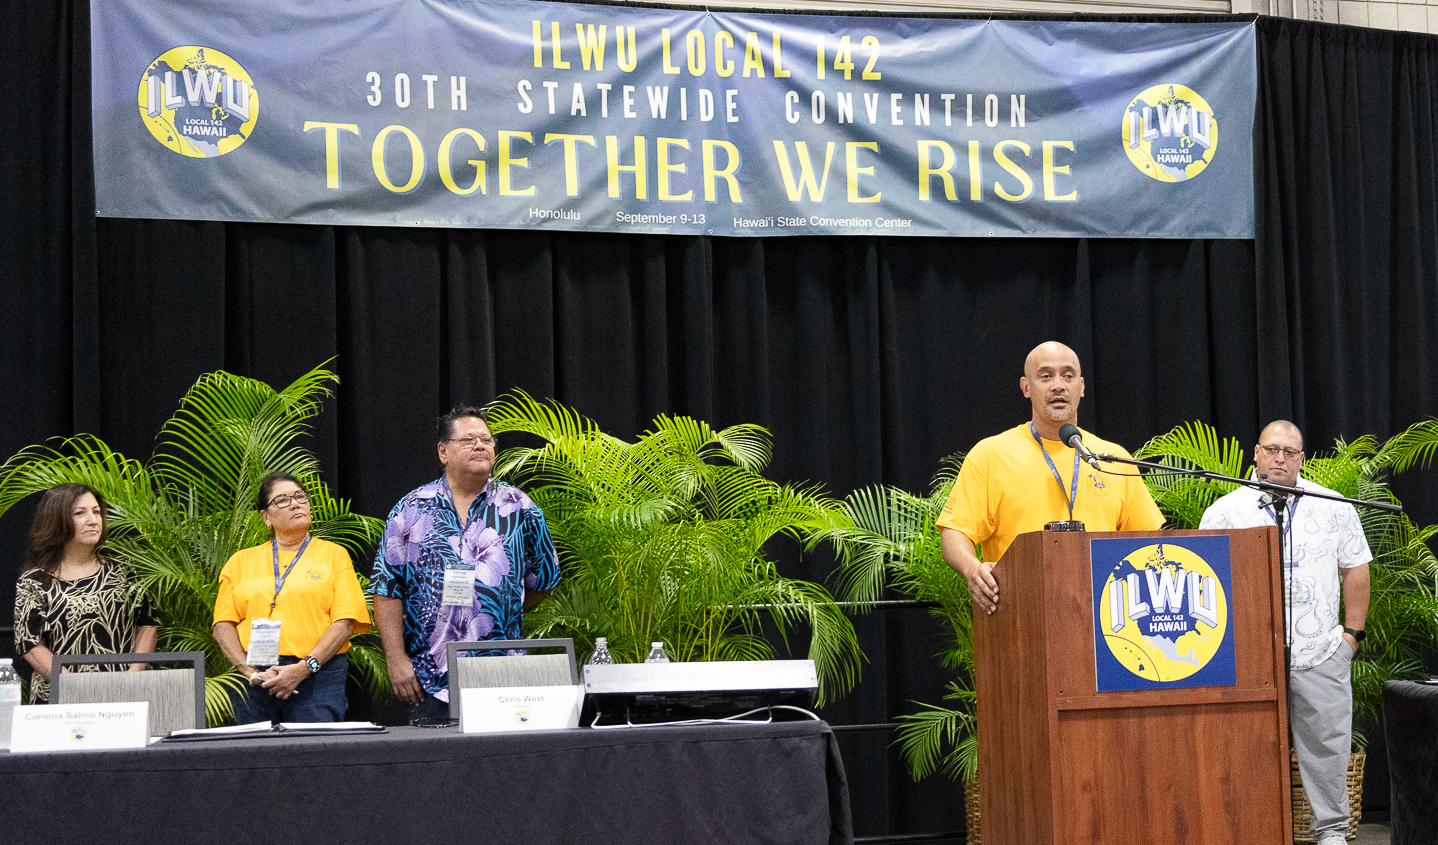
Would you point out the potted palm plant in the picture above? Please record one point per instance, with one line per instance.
(175, 520)
(667, 538)
(892, 542)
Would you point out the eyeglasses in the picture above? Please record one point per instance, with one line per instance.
(472, 442)
(284, 500)
(1274, 451)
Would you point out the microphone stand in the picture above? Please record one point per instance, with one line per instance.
(1279, 502)
(1278, 495)
(1260, 484)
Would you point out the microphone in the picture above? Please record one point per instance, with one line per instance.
(1273, 498)
(1072, 438)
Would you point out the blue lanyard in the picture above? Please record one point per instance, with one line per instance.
(449, 494)
(1287, 527)
(275, 559)
(1072, 493)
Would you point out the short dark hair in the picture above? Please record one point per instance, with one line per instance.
(444, 425)
(54, 526)
(268, 483)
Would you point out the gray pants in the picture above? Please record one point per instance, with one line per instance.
(1320, 715)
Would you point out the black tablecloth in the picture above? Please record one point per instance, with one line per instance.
(781, 783)
(1410, 724)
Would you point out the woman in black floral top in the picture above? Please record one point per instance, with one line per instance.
(71, 598)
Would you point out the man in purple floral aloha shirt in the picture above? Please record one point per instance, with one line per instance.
(502, 539)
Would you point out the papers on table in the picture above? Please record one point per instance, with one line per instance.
(280, 729)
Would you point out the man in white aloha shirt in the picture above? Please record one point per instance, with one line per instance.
(1326, 556)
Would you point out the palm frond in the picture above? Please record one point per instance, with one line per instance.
(220, 694)
(1416, 445)
(229, 431)
(81, 459)
(1195, 445)
(665, 538)
(942, 737)
(518, 411)
(892, 540)
(1199, 445)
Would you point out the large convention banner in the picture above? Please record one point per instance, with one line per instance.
(506, 114)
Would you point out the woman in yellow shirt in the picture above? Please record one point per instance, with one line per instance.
(285, 613)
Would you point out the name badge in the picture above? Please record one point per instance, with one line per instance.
(458, 586)
(264, 642)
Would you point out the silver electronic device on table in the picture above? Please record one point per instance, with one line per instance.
(654, 693)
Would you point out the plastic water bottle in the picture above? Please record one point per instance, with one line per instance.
(601, 655)
(9, 698)
(656, 654)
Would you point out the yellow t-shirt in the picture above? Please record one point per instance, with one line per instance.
(321, 589)
(1005, 488)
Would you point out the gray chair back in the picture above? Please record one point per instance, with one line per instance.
(176, 696)
(530, 669)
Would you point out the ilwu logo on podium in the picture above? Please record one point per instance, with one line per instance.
(1161, 613)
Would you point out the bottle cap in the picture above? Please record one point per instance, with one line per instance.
(600, 641)
(656, 645)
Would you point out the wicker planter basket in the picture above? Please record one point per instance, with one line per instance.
(971, 812)
(1303, 812)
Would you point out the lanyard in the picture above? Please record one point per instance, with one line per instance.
(466, 518)
(1073, 494)
(275, 558)
(1288, 523)
(1287, 527)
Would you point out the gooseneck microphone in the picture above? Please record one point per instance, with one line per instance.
(1073, 438)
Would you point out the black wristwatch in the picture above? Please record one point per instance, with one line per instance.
(314, 665)
(1357, 635)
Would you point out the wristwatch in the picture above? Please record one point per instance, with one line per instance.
(1357, 635)
(314, 665)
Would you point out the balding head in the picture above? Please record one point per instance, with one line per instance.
(1051, 351)
(1283, 426)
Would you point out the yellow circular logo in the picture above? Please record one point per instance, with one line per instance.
(1098, 485)
(198, 102)
(1163, 612)
(1170, 133)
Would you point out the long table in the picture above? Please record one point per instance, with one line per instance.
(782, 783)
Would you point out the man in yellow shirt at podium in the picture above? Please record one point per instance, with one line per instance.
(1012, 483)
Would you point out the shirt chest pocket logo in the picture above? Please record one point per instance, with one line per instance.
(315, 576)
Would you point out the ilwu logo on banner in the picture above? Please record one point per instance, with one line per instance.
(512, 113)
(1161, 613)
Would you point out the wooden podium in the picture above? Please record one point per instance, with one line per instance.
(1061, 763)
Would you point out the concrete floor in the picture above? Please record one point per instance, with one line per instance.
(1373, 834)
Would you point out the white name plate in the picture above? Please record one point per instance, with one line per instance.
(80, 727)
(498, 709)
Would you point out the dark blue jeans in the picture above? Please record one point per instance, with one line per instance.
(318, 698)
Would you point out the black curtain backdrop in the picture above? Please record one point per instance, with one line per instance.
(869, 359)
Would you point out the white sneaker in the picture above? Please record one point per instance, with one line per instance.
(1332, 837)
